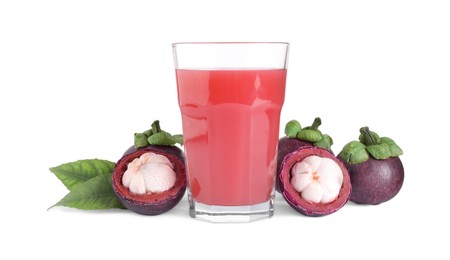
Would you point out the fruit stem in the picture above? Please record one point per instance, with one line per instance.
(317, 122)
(155, 127)
(370, 139)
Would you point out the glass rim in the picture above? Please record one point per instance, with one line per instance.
(227, 43)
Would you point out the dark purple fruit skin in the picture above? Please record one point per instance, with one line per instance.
(163, 203)
(375, 181)
(286, 146)
(151, 209)
(295, 200)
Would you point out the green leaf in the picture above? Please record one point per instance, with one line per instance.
(354, 152)
(393, 147)
(73, 173)
(379, 151)
(96, 193)
(326, 142)
(178, 139)
(292, 128)
(309, 135)
(161, 138)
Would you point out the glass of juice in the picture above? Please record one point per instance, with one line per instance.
(230, 96)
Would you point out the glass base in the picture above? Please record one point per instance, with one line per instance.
(230, 214)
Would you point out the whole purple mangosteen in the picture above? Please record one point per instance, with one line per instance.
(376, 171)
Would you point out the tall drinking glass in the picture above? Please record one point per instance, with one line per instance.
(230, 96)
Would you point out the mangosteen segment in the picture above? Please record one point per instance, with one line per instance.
(325, 186)
(317, 179)
(286, 146)
(149, 173)
(297, 137)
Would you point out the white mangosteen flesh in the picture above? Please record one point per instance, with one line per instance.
(317, 179)
(150, 173)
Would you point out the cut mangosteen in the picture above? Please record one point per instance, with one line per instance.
(297, 137)
(376, 171)
(150, 179)
(314, 182)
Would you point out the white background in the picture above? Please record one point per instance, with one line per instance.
(78, 78)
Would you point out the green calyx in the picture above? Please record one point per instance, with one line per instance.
(369, 144)
(309, 134)
(326, 142)
(156, 136)
(354, 152)
(292, 128)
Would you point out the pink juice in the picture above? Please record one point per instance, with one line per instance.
(231, 127)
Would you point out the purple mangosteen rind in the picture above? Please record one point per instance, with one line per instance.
(294, 199)
(375, 181)
(157, 203)
(286, 146)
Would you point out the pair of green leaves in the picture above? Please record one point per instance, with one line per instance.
(156, 136)
(369, 144)
(89, 183)
(309, 134)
